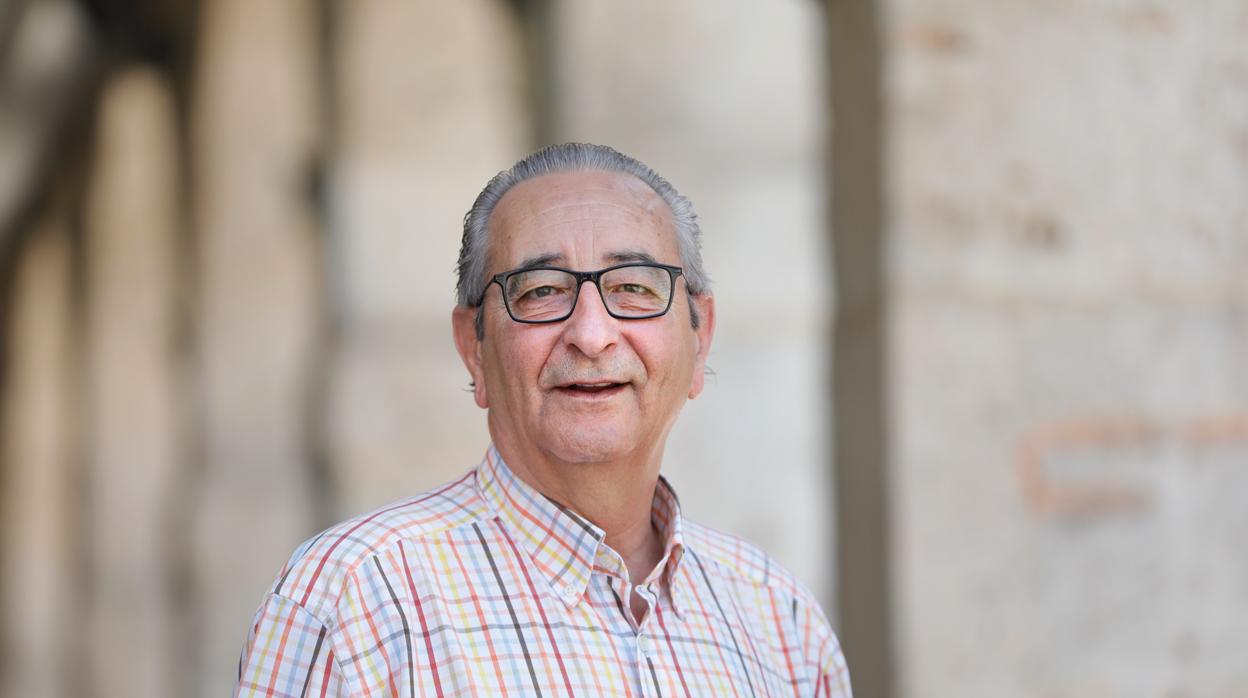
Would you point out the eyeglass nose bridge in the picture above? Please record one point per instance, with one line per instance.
(592, 277)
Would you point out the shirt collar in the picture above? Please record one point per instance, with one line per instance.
(665, 515)
(565, 545)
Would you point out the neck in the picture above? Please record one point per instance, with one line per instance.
(615, 495)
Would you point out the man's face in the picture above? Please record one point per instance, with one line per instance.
(591, 388)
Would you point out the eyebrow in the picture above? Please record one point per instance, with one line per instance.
(541, 260)
(631, 256)
(616, 257)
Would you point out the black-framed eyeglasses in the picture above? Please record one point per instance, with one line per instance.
(631, 291)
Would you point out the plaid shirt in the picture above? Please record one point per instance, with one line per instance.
(486, 587)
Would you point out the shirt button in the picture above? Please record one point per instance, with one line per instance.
(643, 645)
(570, 592)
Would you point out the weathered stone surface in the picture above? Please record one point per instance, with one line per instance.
(1068, 187)
(1084, 510)
(1076, 151)
(131, 416)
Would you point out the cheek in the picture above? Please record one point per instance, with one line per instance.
(518, 365)
(668, 359)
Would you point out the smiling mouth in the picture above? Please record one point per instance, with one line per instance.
(592, 389)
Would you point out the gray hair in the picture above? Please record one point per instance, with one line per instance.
(572, 157)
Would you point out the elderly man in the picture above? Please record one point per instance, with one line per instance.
(561, 565)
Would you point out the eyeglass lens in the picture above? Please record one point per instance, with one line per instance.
(628, 292)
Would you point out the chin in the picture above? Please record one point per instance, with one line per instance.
(588, 445)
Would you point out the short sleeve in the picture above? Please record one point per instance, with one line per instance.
(288, 653)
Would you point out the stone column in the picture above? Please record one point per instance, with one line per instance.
(41, 512)
(861, 373)
(253, 143)
(132, 415)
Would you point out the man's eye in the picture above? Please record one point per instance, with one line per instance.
(637, 289)
(541, 292)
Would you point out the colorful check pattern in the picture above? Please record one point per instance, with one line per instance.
(485, 587)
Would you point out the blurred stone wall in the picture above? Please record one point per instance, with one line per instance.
(227, 241)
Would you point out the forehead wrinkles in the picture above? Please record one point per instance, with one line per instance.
(583, 200)
(567, 201)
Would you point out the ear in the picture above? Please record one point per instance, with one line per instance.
(464, 327)
(702, 335)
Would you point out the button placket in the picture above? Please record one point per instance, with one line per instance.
(644, 645)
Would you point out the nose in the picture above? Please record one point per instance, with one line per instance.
(590, 328)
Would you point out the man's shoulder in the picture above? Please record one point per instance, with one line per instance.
(732, 557)
(743, 566)
(317, 572)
